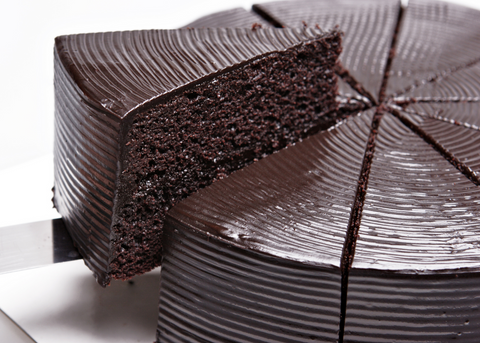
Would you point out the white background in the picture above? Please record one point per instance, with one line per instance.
(27, 31)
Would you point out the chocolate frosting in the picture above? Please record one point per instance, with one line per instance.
(119, 71)
(236, 17)
(368, 27)
(436, 38)
(102, 81)
(305, 192)
(410, 261)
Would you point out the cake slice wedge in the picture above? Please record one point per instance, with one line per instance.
(145, 118)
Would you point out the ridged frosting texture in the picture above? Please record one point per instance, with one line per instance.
(236, 17)
(461, 141)
(436, 38)
(293, 205)
(214, 292)
(119, 71)
(420, 214)
(368, 28)
(397, 308)
(459, 85)
(86, 149)
(457, 113)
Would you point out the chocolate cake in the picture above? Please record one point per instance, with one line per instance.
(236, 17)
(366, 232)
(145, 118)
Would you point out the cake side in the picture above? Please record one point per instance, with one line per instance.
(86, 150)
(214, 128)
(211, 291)
(386, 307)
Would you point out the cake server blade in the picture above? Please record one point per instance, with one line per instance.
(34, 245)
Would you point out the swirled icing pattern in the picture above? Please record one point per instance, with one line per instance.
(412, 274)
(436, 38)
(120, 71)
(236, 17)
(293, 206)
(368, 28)
(103, 80)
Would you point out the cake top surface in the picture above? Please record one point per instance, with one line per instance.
(419, 79)
(294, 204)
(119, 71)
(420, 214)
(236, 17)
(436, 39)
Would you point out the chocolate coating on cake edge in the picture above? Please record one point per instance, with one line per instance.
(91, 204)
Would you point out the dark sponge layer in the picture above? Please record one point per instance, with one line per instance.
(217, 127)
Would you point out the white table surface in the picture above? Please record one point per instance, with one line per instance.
(62, 302)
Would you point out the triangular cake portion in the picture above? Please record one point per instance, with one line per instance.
(458, 113)
(459, 85)
(349, 99)
(248, 251)
(368, 25)
(435, 38)
(461, 142)
(417, 241)
(145, 118)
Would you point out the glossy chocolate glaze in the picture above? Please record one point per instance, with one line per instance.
(105, 82)
(457, 113)
(462, 142)
(436, 38)
(393, 307)
(368, 27)
(417, 247)
(236, 17)
(412, 265)
(290, 210)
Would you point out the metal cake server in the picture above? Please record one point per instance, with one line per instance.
(34, 245)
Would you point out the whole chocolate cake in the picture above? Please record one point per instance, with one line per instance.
(145, 118)
(366, 232)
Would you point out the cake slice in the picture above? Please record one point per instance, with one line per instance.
(437, 38)
(145, 118)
